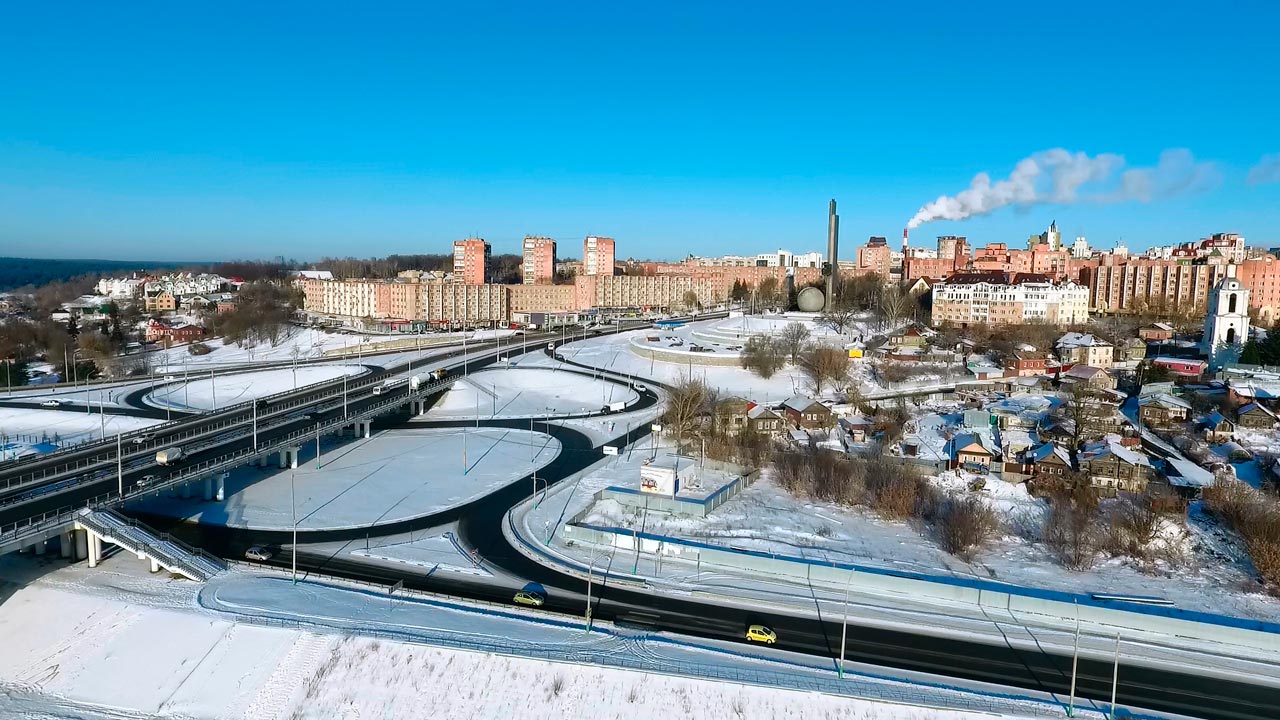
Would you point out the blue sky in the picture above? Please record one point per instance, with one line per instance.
(228, 130)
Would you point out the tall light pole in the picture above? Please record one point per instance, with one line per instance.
(119, 467)
(1115, 678)
(255, 425)
(213, 385)
(590, 569)
(293, 511)
(844, 626)
(1075, 659)
(317, 445)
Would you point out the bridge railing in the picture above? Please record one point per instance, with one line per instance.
(198, 564)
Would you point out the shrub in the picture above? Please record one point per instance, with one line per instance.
(964, 524)
(1256, 519)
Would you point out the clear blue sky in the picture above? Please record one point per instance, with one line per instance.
(223, 130)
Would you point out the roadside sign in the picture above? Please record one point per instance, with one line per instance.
(396, 588)
(655, 428)
(610, 450)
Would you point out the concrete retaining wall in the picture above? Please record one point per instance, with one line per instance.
(642, 348)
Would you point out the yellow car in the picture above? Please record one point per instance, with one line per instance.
(528, 598)
(761, 634)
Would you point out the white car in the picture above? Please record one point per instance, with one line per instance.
(50, 403)
(258, 553)
(143, 439)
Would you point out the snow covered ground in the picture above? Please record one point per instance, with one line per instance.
(22, 428)
(613, 352)
(202, 392)
(116, 643)
(298, 343)
(435, 553)
(394, 475)
(522, 391)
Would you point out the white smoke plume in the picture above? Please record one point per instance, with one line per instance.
(1059, 176)
(1266, 171)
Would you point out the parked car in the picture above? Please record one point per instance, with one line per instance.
(528, 598)
(761, 634)
(258, 553)
(50, 403)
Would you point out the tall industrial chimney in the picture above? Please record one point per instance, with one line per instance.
(833, 263)
(904, 242)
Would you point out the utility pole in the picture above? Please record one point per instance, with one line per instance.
(317, 445)
(255, 425)
(119, 467)
(213, 384)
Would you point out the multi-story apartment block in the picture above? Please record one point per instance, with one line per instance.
(597, 255)
(543, 298)
(875, 257)
(471, 261)
(539, 260)
(999, 298)
(467, 304)
(642, 291)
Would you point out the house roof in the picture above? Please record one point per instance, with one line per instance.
(760, 411)
(1044, 451)
(1161, 326)
(969, 442)
(1184, 473)
(1254, 407)
(1214, 419)
(800, 403)
(1111, 447)
(1083, 372)
(1164, 400)
(1075, 339)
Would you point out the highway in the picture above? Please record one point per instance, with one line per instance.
(480, 527)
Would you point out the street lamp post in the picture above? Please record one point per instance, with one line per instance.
(293, 511)
(844, 625)
(1075, 658)
(590, 569)
(1115, 679)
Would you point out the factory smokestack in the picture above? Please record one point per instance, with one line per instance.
(833, 263)
(904, 241)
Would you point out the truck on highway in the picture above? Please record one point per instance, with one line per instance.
(616, 406)
(169, 456)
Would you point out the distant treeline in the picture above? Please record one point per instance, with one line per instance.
(18, 272)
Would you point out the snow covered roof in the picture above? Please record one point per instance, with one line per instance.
(1075, 339)
(800, 403)
(759, 411)
(1083, 372)
(1164, 400)
(1042, 452)
(1111, 447)
(967, 441)
(1187, 474)
(1262, 391)
(1214, 419)
(314, 274)
(1163, 326)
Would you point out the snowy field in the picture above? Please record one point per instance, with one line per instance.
(394, 475)
(22, 428)
(520, 391)
(301, 344)
(613, 352)
(202, 392)
(100, 644)
(434, 553)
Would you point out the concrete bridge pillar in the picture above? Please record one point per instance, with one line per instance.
(40, 546)
(221, 493)
(95, 549)
(283, 458)
(368, 428)
(81, 544)
(155, 566)
(66, 544)
(262, 461)
(208, 489)
(186, 491)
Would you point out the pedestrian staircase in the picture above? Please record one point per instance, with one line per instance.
(166, 551)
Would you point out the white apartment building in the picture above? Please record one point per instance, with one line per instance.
(118, 287)
(1004, 299)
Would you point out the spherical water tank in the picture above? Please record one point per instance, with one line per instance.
(811, 299)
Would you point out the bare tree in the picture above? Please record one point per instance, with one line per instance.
(1070, 527)
(964, 524)
(792, 338)
(767, 292)
(1086, 413)
(824, 365)
(689, 404)
(691, 300)
(838, 319)
(893, 306)
(763, 356)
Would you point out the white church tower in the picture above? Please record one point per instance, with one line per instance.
(1226, 327)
